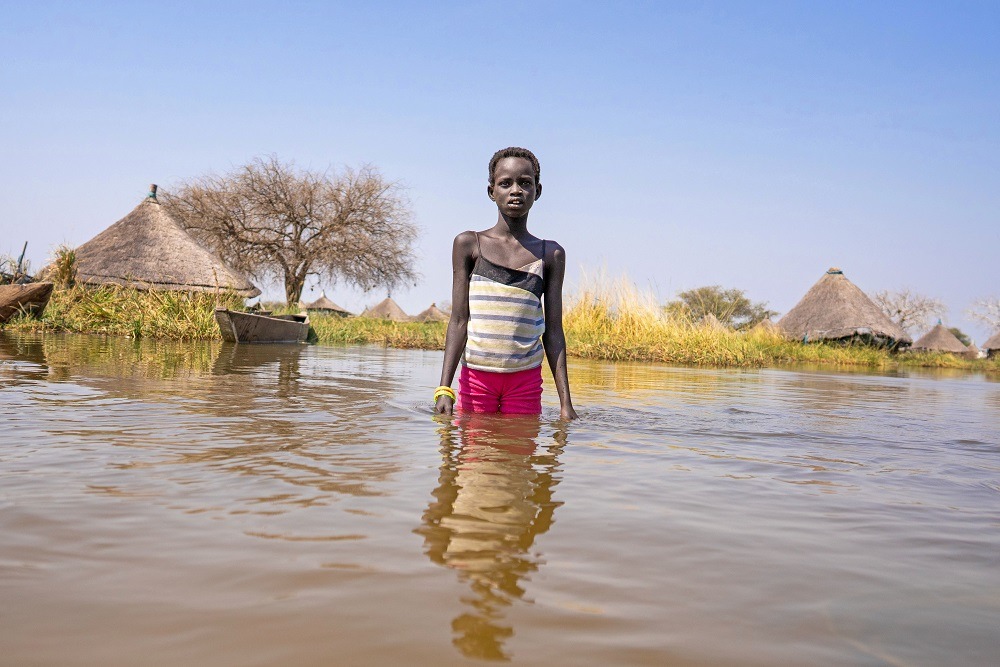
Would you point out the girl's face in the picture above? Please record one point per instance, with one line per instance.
(514, 189)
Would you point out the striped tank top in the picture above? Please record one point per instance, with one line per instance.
(505, 316)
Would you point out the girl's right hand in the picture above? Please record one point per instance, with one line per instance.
(444, 406)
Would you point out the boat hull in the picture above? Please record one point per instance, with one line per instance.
(28, 298)
(238, 327)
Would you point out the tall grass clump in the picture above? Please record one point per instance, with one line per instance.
(125, 311)
(614, 319)
(62, 268)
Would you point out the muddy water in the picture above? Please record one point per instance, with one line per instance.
(167, 504)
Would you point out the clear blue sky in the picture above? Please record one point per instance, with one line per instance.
(747, 144)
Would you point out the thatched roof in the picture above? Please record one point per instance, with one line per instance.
(993, 342)
(939, 339)
(834, 308)
(432, 314)
(148, 249)
(766, 326)
(387, 309)
(710, 321)
(324, 304)
(971, 352)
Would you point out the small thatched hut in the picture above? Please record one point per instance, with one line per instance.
(939, 339)
(432, 314)
(765, 326)
(148, 249)
(324, 305)
(835, 309)
(971, 352)
(992, 346)
(711, 322)
(387, 309)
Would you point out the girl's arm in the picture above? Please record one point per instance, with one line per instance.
(462, 259)
(554, 339)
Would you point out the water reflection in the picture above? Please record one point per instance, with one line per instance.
(61, 358)
(295, 419)
(494, 498)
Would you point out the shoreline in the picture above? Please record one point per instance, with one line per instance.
(594, 330)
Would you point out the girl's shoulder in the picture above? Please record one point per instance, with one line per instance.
(467, 241)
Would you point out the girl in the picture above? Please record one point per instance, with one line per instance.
(501, 277)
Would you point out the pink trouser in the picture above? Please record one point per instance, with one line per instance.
(517, 393)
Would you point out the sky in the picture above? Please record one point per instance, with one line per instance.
(750, 145)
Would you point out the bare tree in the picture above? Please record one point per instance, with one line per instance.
(909, 310)
(987, 311)
(277, 222)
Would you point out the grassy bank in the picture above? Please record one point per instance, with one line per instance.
(123, 311)
(612, 320)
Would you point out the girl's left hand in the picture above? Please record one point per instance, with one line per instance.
(568, 413)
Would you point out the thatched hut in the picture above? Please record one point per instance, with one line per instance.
(432, 314)
(324, 305)
(992, 346)
(387, 309)
(835, 309)
(939, 339)
(712, 323)
(971, 352)
(148, 249)
(765, 327)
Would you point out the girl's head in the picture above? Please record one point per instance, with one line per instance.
(514, 151)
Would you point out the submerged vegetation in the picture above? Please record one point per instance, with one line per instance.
(604, 319)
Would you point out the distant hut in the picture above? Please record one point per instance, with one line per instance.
(971, 352)
(765, 326)
(324, 305)
(387, 309)
(710, 321)
(992, 346)
(939, 339)
(432, 314)
(148, 249)
(836, 309)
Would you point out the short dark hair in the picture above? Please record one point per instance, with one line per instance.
(515, 151)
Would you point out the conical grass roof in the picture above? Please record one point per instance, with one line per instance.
(971, 352)
(324, 304)
(148, 249)
(939, 339)
(710, 321)
(993, 342)
(387, 309)
(835, 308)
(432, 314)
(765, 326)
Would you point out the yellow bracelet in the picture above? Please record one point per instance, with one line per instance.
(444, 390)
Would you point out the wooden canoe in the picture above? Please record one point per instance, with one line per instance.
(237, 327)
(28, 298)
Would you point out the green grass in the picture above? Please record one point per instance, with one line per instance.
(609, 320)
(362, 330)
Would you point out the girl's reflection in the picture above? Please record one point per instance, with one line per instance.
(493, 499)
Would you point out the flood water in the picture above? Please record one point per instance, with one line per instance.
(201, 504)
